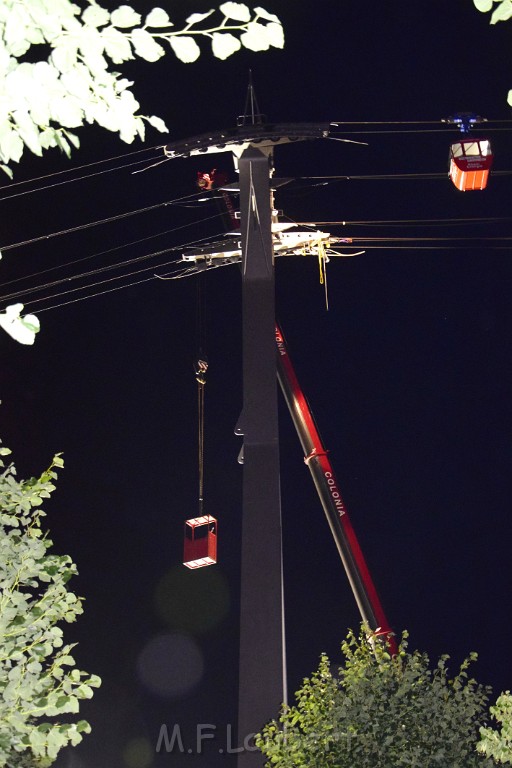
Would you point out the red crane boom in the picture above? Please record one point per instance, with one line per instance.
(316, 458)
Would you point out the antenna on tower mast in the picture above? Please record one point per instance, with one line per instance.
(252, 114)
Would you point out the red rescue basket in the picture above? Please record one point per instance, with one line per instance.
(200, 545)
(470, 163)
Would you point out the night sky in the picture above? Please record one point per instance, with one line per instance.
(408, 373)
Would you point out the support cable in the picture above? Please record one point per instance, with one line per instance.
(68, 171)
(98, 270)
(200, 366)
(98, 222)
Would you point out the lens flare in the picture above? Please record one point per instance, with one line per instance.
(170, 665)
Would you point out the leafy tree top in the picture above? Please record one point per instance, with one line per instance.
(39, 683)
(498, 744)
(42, 102)
(379, 710)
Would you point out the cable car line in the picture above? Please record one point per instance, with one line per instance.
(70, 181)
(385, 122)
(399, 247)
(28, 291)
(110, 250)
(103, 282)
(76, 168)
(467, 147)
(161, 147)
(401, 222)
(178, 274)
(193, 271)
(458, 239)
(436, 247)
(379, 176)
(489, 126)
(195, 196)
(392, 176)
(393, 131)
(365, 241)
(98, 222)
(349, 141)
(81, 276)
(408, 122)
(94, 295)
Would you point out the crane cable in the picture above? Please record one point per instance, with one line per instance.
(322, 266)
(200, 367)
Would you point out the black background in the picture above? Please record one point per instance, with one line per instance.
(408, 373)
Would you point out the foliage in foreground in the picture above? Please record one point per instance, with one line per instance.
(498, 744)
(38, 679)
(56, 75)
(379, 710)
(42, 102)
(500, 12)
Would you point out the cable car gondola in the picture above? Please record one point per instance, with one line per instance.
(470, 163)
(470, 158)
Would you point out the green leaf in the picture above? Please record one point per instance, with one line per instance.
(256, 38)
(483, 5)
(237, 11)
(11, 145)
(64, 56)
(158, 18)
(185, 48)
(158, 123)
(58, 461)
(195, 18)
(12, 322)
(84, 691)
(67, 112)
(74, 737)
(117, 45)
(262, 13)
(95, 16)
(37, 742)
(275, 35)
(28, 131)
(94, 681)
(145, 46)
(124, 17)
(47, 138)
(14, 31)
(55, 741)
(224, 44)
(503, 12)
(75, 141)
(63, 143)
